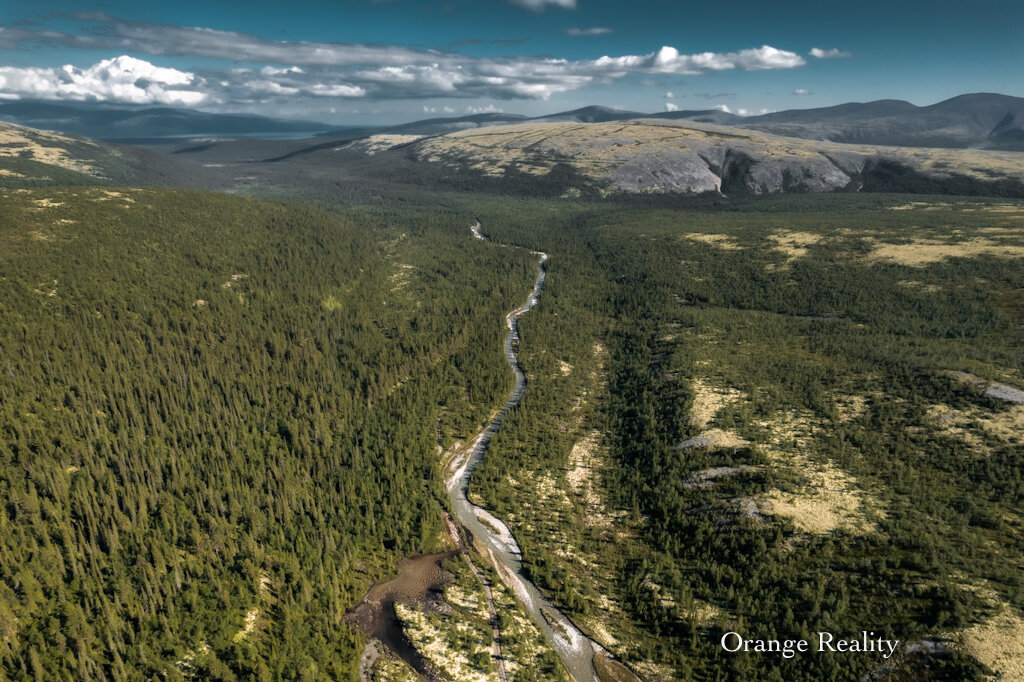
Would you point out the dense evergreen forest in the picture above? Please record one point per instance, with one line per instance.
(213, 406)
(220, 421)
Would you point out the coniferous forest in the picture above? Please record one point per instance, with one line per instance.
(222, 419)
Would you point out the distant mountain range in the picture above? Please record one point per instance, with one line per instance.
(130, 124)
(981, 121)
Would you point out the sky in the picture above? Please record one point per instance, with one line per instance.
(390, 61)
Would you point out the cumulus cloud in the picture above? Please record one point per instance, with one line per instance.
(741, 111)
(290, 71)
(595, 31)
(818, 53)
(669, 106)
(122, 79)
(669, 95)
(668, 60)
(541, 5)
(802, 91)
(488, 109)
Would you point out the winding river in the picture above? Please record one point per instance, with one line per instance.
(574, 648)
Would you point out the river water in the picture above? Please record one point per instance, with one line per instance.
(574, 648)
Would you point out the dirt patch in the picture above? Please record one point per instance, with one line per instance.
(830, 501)
(708, 400)
(851, 407)
(107, 195)
(251, 620)
(998, 643)
(926, 251)
(582, 465)
(722, 241)
(705, 613)
(41, 146)
(654, 672)
(707, 477)
(794, 244)
(400, 278)
(969, 425)
(713, 439)
(587, 461)
(456, 648)
(234, 280)
(922, 205)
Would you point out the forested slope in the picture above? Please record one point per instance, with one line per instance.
(219, 421)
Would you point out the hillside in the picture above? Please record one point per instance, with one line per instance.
(121, 123)
(654, 156)
(32, 158)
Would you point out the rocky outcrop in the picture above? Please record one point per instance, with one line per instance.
(684, 157)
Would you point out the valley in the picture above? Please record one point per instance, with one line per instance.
(745, 395)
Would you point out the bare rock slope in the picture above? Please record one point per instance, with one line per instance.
(658, 156)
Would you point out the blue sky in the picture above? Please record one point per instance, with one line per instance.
(387, 61)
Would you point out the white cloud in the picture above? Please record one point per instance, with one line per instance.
(669, 106)
(668, 60)
(122, 79)
(541, 5)
(595, 31)
(724, 109)
(429, 110)
(802, 91)
(287, 72)
(449, 110)
(340, 90)
(272, 71)
(818, 53)
(669, 95)
(269, 88)
(489, 109)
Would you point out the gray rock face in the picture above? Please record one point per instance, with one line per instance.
(671, 171)
(807, 175)
(685, 157)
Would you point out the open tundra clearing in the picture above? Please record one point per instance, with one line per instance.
(37, 145)
(998, 643)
